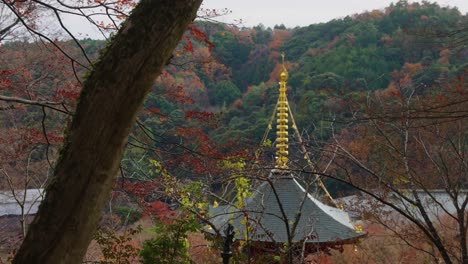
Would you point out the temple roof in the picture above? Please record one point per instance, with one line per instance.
(277, 202)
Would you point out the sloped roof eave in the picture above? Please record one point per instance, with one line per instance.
(339, 215)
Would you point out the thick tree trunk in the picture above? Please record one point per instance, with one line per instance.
(109, 102)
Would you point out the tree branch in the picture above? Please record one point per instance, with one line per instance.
(48, 104)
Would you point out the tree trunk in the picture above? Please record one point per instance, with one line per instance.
(112, 94)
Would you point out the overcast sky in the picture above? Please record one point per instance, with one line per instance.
(303, 12)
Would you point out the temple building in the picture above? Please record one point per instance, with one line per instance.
(280, 211)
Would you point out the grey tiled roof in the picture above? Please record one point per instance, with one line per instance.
(317, 222)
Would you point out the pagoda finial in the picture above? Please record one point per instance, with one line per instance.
(284, 72)
(282, 121)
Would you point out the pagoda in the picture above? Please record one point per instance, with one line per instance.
(280, 211)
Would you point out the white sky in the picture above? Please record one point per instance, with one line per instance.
(293, 13)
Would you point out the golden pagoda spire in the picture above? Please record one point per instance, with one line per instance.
(282, 121)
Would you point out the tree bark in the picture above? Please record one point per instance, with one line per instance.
(112, 94)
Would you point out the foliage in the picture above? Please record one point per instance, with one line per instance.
(226, 92)
(118, 248)
(171, 244)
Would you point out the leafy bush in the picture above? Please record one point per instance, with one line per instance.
(171, 245)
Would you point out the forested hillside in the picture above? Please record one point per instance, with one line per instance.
(222, 80)
(327, 62)
(339, 59)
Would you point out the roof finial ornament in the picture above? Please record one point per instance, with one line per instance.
(282, 121)
(284, 72)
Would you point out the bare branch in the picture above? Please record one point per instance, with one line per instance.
(48, 104)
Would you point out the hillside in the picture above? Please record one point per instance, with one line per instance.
(222, 80)
(355, 54)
